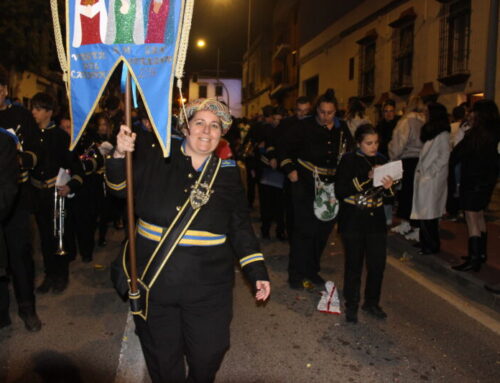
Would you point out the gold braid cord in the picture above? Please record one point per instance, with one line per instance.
(61, 54)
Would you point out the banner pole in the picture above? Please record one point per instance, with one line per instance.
(130, 193)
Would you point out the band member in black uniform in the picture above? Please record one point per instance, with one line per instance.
(9, 173)
(315, 144)
(249, 155)
(362, 223)
(17, 231)
(54, 154)
(82, 209)
(302, 110)
(190, 302)
(107, 202)
(271, 180)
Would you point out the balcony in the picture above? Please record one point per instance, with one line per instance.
(281, 83)
(281, 51)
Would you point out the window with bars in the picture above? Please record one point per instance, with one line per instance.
(454, 44)
(402, 59)
(218, 90)
(202, 91)
(367, 50)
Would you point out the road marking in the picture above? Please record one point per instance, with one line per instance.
(453, 299)
(131, 364)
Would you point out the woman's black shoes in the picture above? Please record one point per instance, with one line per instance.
(375, 311)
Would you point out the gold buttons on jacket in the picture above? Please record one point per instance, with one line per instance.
(153, 145)
(190, 175)
(178, 208)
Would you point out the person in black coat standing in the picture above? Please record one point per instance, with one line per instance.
(477, 155)
(310, 153)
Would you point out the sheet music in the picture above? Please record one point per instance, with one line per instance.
(393, 169)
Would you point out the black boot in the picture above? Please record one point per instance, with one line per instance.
(484, 246)
(473, 262)
(28, 314)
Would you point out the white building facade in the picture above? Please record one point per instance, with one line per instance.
(225, 89)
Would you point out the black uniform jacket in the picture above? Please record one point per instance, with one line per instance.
(23, 125)
(55, 154)
(352, 179)
(161, 186)
(307, 144)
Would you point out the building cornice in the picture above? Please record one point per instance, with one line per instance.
(350, 30)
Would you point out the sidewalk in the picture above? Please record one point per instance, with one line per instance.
(454, 246)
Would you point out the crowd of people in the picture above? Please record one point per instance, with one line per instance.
(450, 169)
(310, 170)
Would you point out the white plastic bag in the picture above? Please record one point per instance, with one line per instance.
(329, 302)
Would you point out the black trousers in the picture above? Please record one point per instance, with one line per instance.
(359, 248)
(107, 213)
(251, 180)
(20, 258)
(405, 195)
(272, 208)
(310, 235)
(82, 221)
(429, 235)
(289, 217)
(56, 266)
(189, 322)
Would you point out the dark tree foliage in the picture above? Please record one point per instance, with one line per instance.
(27, 36)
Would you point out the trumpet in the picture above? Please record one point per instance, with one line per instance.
(59, 215)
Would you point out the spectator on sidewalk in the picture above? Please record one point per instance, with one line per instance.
(458, 127)
(355, 114)
(431, 177)
(384, 128)
(477, 155)
(406, 145)
(362, 225)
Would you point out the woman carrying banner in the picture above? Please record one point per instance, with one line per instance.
(189, 309)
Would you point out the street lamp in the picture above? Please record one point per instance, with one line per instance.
(201, 43)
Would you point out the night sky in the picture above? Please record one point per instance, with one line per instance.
(223, 24)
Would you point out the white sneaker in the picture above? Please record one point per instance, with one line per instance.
(403, 228)
(413, 235)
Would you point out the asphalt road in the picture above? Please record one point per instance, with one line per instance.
(428, 337)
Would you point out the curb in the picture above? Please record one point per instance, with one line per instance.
(131, 364)
(465, 283)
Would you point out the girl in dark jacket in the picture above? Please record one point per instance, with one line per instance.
(362, 223)
(477, 155)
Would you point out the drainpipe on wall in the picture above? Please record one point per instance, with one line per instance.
(491, 53)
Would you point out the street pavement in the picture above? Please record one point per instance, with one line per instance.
(442, 327)
(82, 328)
